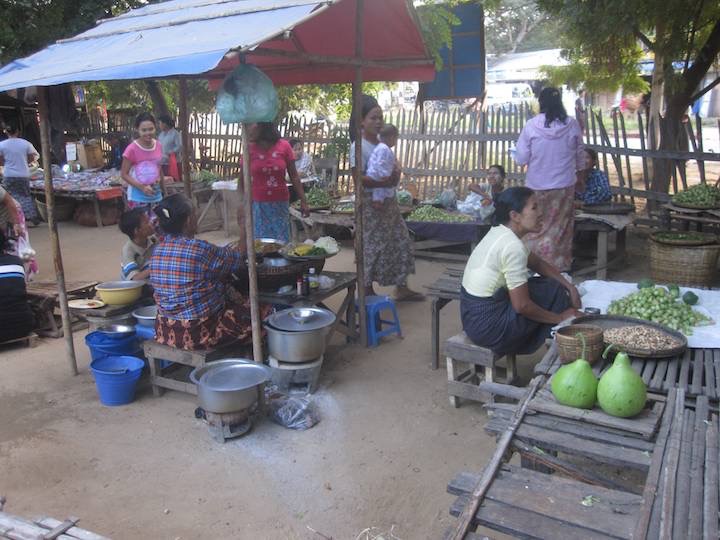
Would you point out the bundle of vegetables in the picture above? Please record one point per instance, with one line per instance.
(404, 198)
(207, 177)
(699, 195)
(316, 198)
(660, 305)
(437, 215)
(307, 250)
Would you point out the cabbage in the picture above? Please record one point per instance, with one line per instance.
(328, 243)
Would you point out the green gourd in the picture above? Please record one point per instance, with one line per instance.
(621, 391)
(575, 384)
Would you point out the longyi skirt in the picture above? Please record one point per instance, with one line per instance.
(493, 323)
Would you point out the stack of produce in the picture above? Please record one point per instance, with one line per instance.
(437, 215)
(701, 195)
(660, 305)
(316, 198)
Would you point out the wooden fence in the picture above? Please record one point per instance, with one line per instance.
(455, 147)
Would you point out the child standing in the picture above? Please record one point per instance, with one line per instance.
(381, 164)
(141, 166)
(135, 257)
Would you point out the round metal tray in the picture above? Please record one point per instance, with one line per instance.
(617, 321)
(709, 238)
(285, 253)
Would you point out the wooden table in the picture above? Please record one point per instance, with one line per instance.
(314, 225)
(443, 291)
(602, 260)
(672, 446)
(44, 299)
(94, 196)
(346, 320)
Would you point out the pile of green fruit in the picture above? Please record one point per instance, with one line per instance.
(316, 198)
(660, 305)
(437, 215)
(701, 195)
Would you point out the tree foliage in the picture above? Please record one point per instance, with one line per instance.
(518, 26)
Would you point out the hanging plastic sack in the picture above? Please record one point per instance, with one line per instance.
(247, 95)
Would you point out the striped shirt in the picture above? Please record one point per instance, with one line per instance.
(190, 277)
(135, 258)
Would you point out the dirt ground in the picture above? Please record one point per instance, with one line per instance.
(387, 444)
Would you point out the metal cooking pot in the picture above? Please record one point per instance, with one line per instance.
(145, 316)
(298, 334)
(230, 385)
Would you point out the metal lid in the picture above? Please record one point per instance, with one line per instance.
(301, 319)
(233, 377)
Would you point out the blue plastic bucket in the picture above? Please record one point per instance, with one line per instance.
(102, 344)
(116, 377)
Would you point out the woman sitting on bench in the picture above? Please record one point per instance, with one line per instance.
(501, 308)
(16, 317)
(197, 307)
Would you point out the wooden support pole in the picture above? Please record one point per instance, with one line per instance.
(185, 135)
(250, 240)
(359, 219)
(52, 225)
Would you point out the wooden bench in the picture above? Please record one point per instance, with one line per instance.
(30, 341)
(157, 354)
(463, 359)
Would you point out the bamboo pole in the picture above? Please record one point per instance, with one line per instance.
(359, 190)
(250, 240)
(52, 225)
(185, 135)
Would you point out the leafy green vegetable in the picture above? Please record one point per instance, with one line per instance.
(690, 298)
(645, 283)
(700, 195)
(316, 198)
(437, 215)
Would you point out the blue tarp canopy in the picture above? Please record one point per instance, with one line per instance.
(192, 37)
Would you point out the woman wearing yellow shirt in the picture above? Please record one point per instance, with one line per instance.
(501, 307)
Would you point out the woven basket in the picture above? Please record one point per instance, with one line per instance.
(570, 347)
(271, 278)
(64, 209)
(684, 265)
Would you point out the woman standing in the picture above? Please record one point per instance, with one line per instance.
(15, 154)
(271, 157)
(387, 251)
(141, 166)
(551, 146)
(500, 306)
(171, 144)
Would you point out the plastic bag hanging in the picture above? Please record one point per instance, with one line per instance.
(247, 95)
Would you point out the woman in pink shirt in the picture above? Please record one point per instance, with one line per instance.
(141, 165)
(552, 148)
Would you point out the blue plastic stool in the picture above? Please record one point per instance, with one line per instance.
(374, 306)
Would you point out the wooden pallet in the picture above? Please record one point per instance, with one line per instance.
(678, 499)
(42, 528)
(696, 371)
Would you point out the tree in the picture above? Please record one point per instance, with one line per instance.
(516, 26)
(606, 38)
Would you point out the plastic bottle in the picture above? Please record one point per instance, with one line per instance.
(299, 284)
(306, 284)
(313, 279)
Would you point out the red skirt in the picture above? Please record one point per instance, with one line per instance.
(230, 325)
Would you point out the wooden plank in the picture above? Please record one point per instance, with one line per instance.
(698, 368)
(581, 430)
(676, 398)
(685, 370)
(711, 504)
(670, 466)
(697, 478)
(716, 363)
(560, 499)
(523, 524)
(644, 424)
(658, 379)
(548, 362)
(671, 374)
(710, 384)
(648, 369)
(682, 490)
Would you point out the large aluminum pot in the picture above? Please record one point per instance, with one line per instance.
(230, 385)
(296, 347)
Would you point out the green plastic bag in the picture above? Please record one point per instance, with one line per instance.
(247, 95)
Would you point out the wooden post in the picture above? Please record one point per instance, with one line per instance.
(359, 190)
(185, 135)
(250, 241)
(52, 225)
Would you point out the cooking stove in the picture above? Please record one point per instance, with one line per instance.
(223, 426)
(292, 377)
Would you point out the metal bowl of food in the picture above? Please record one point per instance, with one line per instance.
(120, 293)
(117, 329)
(145, 316)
